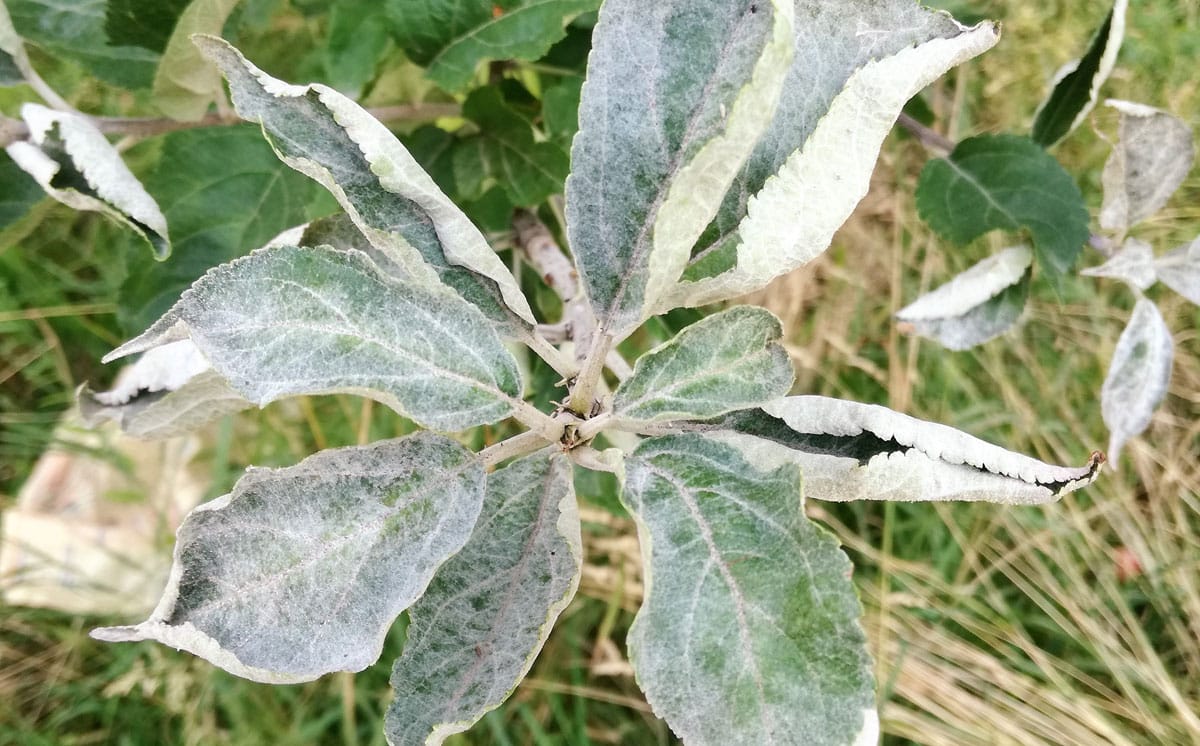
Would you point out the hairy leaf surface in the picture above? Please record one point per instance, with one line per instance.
(1133, 264)
(855, 65)
(300, 571)
(727, 361)
(1077, 86)
(676, 95)
(1152, 157)
(1180, 270)
(171, 390)
(978, 305)
(328, 137)
(75, 165)
(1006, 182)
(451, 38)
(852, 451)
(1137, 376)
(286, 321)
(475, 633)
(749, 630)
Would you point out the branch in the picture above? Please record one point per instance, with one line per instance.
(930, 138)
(518, 445)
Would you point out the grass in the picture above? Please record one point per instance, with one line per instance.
(997, 626)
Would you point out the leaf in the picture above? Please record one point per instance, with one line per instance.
(475, 633)
(329, 138)
(727, 361)
(978, 305)
(75, 165)
(358, 37)
(18, 192)
(843, 92)
(852, 451)
(1133, 264)
(505, 152)
(75, 30)
(1137, 377)
(142, 23)
(1008, 183)
(300, 571)
(560, 109)
(286, 321)
(1180, 270)
(749, 630)
(171, 390)
(452, 37)
(185, 83)
(224, 194)
(673, 104)
(14, 63)
(1077, 86)
(1152, 157)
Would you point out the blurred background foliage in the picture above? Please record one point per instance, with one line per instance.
(1076, 623)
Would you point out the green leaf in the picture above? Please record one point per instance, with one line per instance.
(673, 104)
(1006, 182)
(1152, 158)
(358, 36)
(811, 167)
(1077, 85)
(560, 109)
(977, 305)
(142, 23)
(730, 360)
(73, 162)
(224, 193)
(452, 37)
(75, 31)
(505, 153)
(1137, 377)
(475, 633)
(852, 451)
(185, 83)
(171, 390)
(400, 209)
(18, 192)
(285, 321)
(300, 571)
(749, 632)
(14, 63)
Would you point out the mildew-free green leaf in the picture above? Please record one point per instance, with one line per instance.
(300, 571)
(1077, 86)
(18, 192)
(852, 451)
(358, 37)
(676, 96)
(727, 361)
(76, 165)
(1006, 182)
(843, 92)
(475, 633)
(451, 38)
(1153, 155)
(329, 138)
(977, 305)
(142, 23)
(285, 321)
(186, 83)
(1137, 376)
(749, 630)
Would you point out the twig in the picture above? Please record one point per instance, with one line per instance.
(518, 445)
(544, 255)
(930, 138)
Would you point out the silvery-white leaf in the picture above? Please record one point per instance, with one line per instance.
(978, 305)
(75, 165)
(1180, 270)
(676, 95)
(1137, 376)
(171, 390)
(300, 571)
(855, 66)
(285, 321)
(390, 198)
(730, 360)
(485, 616)
(1152, 157)
(852, 451)
(1132, 264)
(340, 232)
(749, 631)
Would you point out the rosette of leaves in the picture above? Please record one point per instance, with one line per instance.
(720, 144)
